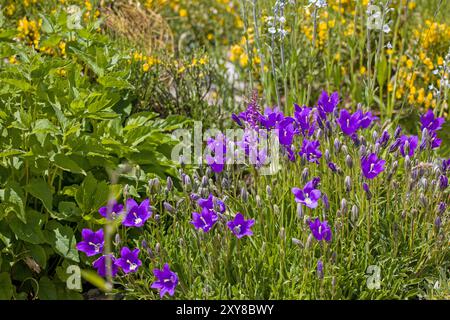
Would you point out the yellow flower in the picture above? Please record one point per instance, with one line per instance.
(409, 63)
(10, 9)
(440, 61)
(145, 67)
(362, 70)
(243, 60)
(183, 13)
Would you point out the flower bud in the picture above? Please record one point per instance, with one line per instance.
(283, 234)
(258, 201)
(438, 222)
(441, 207)
(194, 196)
(367, 190)
(169, 183)
(374, 136)
(349, 161)
(397, 132)
(309, 241)
(305, 175)
(269, 191)
(327, 155)
(225, 184)
(348, 184)
(407, 163)
(362, 151)
(326, 203)
(187, 182)
(423, 200)
(168, 207)
(443, 182)
(205, 181)
(297, 242)
(299, 211)
(337, 145)
(355, 213)
(244, 194)
(344, 206)
(320, 269)
(345, 149)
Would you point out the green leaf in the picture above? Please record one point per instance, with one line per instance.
(114, 82)
(66, 163)
(91, 194)
(47, 289)
(14, 197)
(31, 231)
(94, 279)
(40, 189)
(68, 211)
(62, 240)
(20, 84)
(6, 288)
(382, 70)
(38, 253)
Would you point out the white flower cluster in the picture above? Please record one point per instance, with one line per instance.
(318, 3)
(277, 22)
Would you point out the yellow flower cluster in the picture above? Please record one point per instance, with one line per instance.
(147, 61)
(29, 31)
(237, 52)
(432, 33)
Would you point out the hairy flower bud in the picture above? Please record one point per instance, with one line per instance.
(168, 207)
(337, 145)
(343, 206)
(348, 184)
(305, 175)
(299, 211)
(297, 242)
(169, 183)
(327, 155)
(407, 163)
(355, 213)
(244, 194)
(349, 161)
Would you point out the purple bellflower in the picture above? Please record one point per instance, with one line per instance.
(310, 150)
(100, 265)
(129, 260)
(320, 230)
(372, 166)
(308, 196)
(241, 227)
(137, 215)
(204, 220)
(166, 282)
(112, 210)
(92, 243)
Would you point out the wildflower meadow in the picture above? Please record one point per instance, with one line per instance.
(224, 150)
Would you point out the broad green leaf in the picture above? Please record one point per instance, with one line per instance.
(6, 288)
(40, 189)
(31, 231)
(62, 240)
(66, 163)
(47, 289)
(37, 252)
(91, 194)
(114, 82)
(68, 211)
(14, 197)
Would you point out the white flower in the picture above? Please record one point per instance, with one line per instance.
(435, 71)
(389, 45)
(282, 20)
(318, 3)
(272, 30)
(386, 28)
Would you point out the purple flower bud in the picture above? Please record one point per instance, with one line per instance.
(345, 149)
(441, 207)
(332, 166)
(269, 191)
(443, 182)
(349, 161)
(337, 145)
(320, 269)
(355, 213)
(367, 190)
(204, 183)
(394, 147)
(299, 211)
(168, 207)
(398, 132)
(326, 203)
(327, 155)
(297, 242)
(315, 182)
(438, 222)
(374, 136)
(305, 175)
(343, 206)
(407, 163)
(384, 139)
(348, 184)
(169, 183)
(194, 196)
(244, 194)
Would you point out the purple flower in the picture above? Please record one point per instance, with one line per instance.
(112, 210)
(129, 261)
(286, 131)
(367, 190)
(241, 227)
(204, 220)
(220, 205)
(310, 149)
(219, 149)
(412, 144)
(320, 230)
(309, 196)
(429, 121)
(206, 203)
(367, 119)
(305, 121)
(435, 141)
(328, 103)
(443, 182)
(166, 282)
(384, 139)
(372, 166)
(326, 203)
(236, 119)
(92, 243)
(349, 123)
(137, 215)
(100, 265)
(271, 117)
(445, 165)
